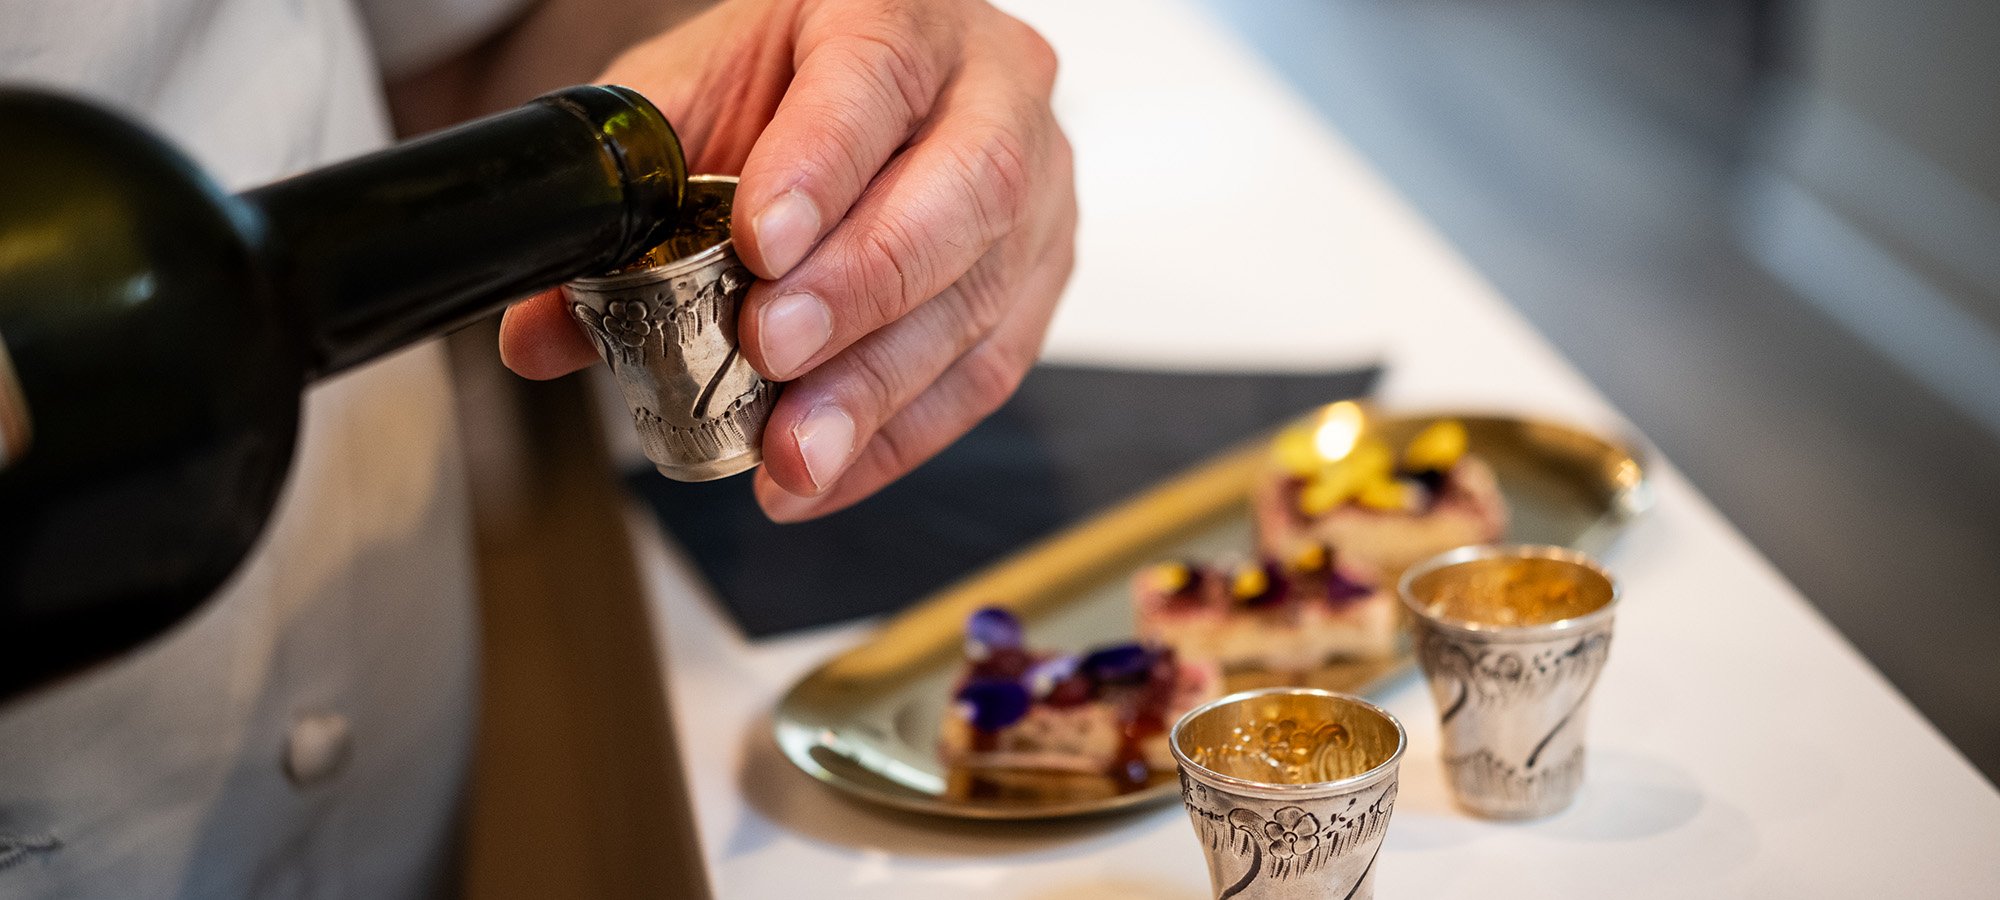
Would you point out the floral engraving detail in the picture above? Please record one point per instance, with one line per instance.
(736, 425)
(1484, 775)
(1290, 841)
(1293, 832)
(620, 332)
(672, 344)
(1543, 686)
(1485, 676)
(690, 308)
(627, 323)
(676, 316)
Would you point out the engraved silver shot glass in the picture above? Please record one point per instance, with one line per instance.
(666, 325)
(1511, 639)
(1290, 790)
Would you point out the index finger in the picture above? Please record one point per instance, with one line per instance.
(868, 73)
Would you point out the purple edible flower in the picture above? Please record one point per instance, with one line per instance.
(1118, 663)
(991, 630)
(994, 704)
(1045, 675)
(1431, 479)
(1342, 590)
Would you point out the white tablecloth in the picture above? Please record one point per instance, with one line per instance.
(1739, 746)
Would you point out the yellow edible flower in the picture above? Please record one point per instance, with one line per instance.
(1325, 490)
(1294, 452)
(1436, 448)
(1371, 460)
(1249, 582)
(1340, 481)
(1171, 577)
(1310, 559)
(1387, 494)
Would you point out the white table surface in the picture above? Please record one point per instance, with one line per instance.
(1739, 746)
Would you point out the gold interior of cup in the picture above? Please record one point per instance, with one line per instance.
(1288, 737)
(1511, 591)
(703, 223)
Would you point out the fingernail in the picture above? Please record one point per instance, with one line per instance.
(793, 328)
(785, 231)
(826, 440)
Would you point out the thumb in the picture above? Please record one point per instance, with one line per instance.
(538, 339)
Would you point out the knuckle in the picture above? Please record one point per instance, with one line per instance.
(1031, 58)
(971, 309)
(901, 18)
(993, 163)
(874, 384)
(1065, 255)
(1038, 58)
(900, 452)
(986, 304)
(888, 258)
(842, 125)
(896, 70)
(992, 371)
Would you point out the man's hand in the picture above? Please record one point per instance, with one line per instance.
(908, 199)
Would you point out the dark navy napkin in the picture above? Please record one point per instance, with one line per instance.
(1071, 442)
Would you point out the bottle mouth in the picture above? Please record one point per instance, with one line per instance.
(695, 237)
(642, 144)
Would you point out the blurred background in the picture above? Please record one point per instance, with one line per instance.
(1769, 231)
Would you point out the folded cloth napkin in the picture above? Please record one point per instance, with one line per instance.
(1071, 442)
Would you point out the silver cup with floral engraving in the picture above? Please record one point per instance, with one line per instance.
(666, 325)
(1290, 790)
(1512, 640)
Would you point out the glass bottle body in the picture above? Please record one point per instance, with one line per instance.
(157, 331)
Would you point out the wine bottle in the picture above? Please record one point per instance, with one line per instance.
(156, 331)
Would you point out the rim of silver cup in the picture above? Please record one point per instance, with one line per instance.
(1281, 791)
(1477, 552)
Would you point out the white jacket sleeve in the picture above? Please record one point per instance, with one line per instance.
(412, 35)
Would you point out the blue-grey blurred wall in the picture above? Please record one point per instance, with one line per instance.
(1766, 230)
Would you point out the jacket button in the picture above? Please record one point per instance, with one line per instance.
(316, 748)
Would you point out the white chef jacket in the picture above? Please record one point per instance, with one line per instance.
(306, 733)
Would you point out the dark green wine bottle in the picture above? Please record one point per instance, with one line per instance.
(156, 332)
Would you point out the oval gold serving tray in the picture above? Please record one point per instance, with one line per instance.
(866, 722)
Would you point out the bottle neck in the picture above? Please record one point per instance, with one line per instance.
(388, 249)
